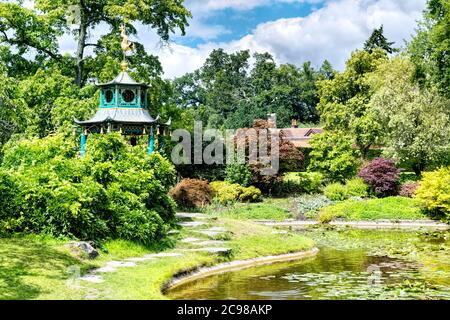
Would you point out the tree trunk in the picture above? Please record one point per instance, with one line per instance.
(364, 149)
(82, 35)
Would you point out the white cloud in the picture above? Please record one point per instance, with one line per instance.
(331, 32)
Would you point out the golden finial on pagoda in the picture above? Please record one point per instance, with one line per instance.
(125, 44)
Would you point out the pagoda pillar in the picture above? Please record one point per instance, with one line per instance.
(151, 142)
(83, 140)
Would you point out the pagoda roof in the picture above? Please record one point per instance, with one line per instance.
(123, 78)
(120, 115)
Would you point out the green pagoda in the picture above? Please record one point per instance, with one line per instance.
(123, 108)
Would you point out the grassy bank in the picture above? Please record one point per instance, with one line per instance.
(391, 208)
(268, 209)
(37, 268)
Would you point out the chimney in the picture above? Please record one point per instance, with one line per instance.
(272, 120)
(294, 123)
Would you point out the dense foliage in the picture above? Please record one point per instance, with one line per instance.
(225, 192)
(333, 155)
(381, 175)
(239, 173)
(390, 208)
(434, 192)
(355, 187)
(115, 192)
(192, 193)
(226, 92)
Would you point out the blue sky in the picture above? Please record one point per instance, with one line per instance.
(234, 23)
(293, 31)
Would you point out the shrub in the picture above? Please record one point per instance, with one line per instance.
(94, 198)
(250, 194)
(336, 192)
(356, 187)
(408, 189)
(391, 208)
(434, 192)
(310, 204)
(301, 182)
(192, 193)
(333, 155)
(382, 176)
(239, 173)
(225, 192)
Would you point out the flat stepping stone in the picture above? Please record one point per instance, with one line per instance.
(192, 224)
(112, 266)
(210, 233)
(117, 264)
(188, 215)
(162, 254)
(92, 278)
(106, 269)
(190, 240)
(219, 229)
(211, 249)
(138, 259)
(210, 243)
(280, 232)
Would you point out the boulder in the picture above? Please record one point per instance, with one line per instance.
(85, 248)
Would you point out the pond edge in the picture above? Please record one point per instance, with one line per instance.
(236, 265)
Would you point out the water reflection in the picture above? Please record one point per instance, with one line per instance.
(350, 265)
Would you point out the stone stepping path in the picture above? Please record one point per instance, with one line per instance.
(210, 243)
(113, 265)
(205, 245)
(191, 240)
(211, 249)
(187, 215)
(192, 224)
(280, 232)
(162, 254)
(92, 278)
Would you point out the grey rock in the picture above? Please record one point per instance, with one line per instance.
(85, 248)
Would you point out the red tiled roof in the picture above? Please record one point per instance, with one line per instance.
(300, 136)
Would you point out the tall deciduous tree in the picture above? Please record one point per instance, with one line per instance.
(13, 110)
(344, 101)
(39, 28)
(430, 48)
(416, 121)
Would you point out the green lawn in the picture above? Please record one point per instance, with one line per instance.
(269, 209)
(391, 208)
(34, 267)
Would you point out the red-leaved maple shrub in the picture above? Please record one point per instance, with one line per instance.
(192, 193)
(408, 189)
(382, 176)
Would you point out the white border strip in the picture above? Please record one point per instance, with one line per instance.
(237, 265)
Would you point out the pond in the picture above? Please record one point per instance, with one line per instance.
(351, 264)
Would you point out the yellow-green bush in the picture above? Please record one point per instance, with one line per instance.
(434, 192)
(335, 192)
(355, 187)
(250, 194)
(225, 192)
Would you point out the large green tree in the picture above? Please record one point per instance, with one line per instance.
(227, 92)
(13, 110)
(430, 48)
(416, 121)
(38, 29)
(344, 101)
